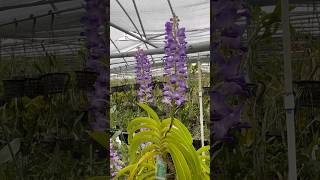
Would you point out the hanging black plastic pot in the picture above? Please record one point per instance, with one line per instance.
(13, 88)
(85, 79)
(54, 82)
(32, 87)
(252, 88)
(308, 93)
(206, 91)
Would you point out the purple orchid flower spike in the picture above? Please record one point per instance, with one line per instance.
(95, 18)
(144, 77)
(175, 68)
(232, 84)
(227, 68)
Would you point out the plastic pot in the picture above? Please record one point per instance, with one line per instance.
(85, 79)
(13, 88)
(54, 82)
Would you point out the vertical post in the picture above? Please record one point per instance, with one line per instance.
(0, 50)
(288, 97)
(200, 101)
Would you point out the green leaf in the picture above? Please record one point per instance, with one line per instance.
(5, 154)
(123, 171)
(98, 178)
(145, 157)
(150, 111)
(100, 137)
(116, 134)
(78, 119)
(180, 164)
(203, 149)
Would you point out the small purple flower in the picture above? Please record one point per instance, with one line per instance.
(144, 77)
(116, 163)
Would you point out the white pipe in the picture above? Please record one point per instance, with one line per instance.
(200, 101)
(288, 98)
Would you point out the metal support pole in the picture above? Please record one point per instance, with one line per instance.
(288, 98)
(200, 101)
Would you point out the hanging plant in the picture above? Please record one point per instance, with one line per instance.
(94, 19)
(230, 93)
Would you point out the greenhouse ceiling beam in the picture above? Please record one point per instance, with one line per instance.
(192, 59)
(119, 51)
(37, 3)
(124, 10)
(42, 15)
(131, 34)
(140, 21)
(192, 48)
(273, 2)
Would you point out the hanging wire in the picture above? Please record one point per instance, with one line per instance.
(119, 52)
(140, 21)
(171, 9)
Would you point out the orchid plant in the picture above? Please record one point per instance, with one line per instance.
(155, 144)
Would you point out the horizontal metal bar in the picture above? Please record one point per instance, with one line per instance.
(43, 15)
(192, 48)
(37, 3)
(131, 34)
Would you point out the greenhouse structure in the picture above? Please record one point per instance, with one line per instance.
(159, 89)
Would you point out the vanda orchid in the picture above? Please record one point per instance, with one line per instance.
(167, 144)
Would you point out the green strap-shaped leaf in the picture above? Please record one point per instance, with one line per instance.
(203, 149)
(100, 137)
(142, 120)
(98, 178)
(116, 134)
(189, 154)
(138, 139)
(150, 111)
(144, 158)
(180, 164)
(146, 126)
(146, 175)
(5, 154)
(123, 171)
(184, 131)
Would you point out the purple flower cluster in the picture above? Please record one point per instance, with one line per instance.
(175, 68)
(144, 77)
(116, 163)
(94, 19)
(228, 54)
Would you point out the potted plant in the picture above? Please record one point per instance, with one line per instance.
(308, 93)
(13, 88)
(54, 82)
(32, 87)
(85, 79)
